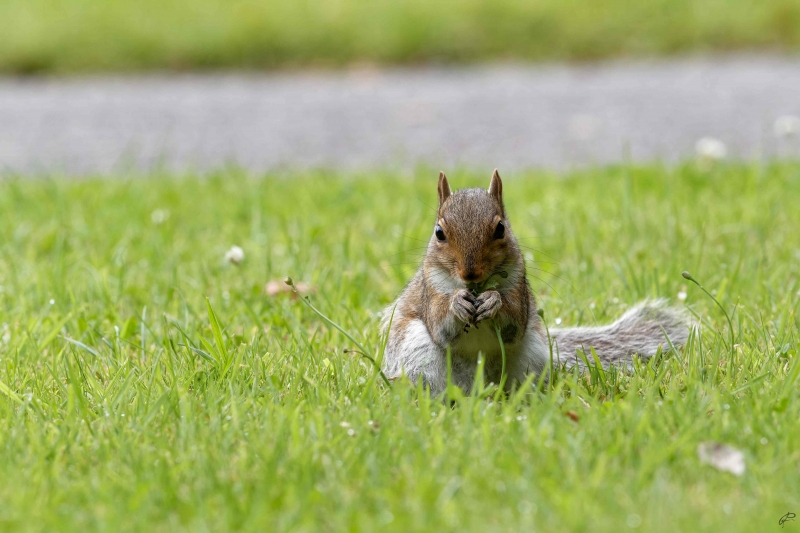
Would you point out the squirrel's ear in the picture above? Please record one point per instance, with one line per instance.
(496, 188)
(444, 188)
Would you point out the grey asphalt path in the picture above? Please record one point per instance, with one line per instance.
(507, 116)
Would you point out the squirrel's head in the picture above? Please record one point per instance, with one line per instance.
(472, 239)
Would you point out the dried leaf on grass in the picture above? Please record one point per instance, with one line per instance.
(277, 287)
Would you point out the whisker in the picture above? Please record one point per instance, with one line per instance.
(409, 251)
(558, 277)
(434, 209)
(551, 288)
(535, 250)
(410, 237)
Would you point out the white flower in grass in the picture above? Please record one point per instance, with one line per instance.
(710, 149)
(159, 216)
(6, 338)
(722, 457)
(787, 126)
(235, 255)
(682, 293)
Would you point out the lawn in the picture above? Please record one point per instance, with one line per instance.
(146, 384)
(56, 36)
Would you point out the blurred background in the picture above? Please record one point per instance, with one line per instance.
(120, 86)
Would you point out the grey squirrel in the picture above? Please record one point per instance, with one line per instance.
(472, 281)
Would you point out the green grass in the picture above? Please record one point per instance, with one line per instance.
(56, 36)
(123, 407)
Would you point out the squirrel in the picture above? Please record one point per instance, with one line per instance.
(472, 284)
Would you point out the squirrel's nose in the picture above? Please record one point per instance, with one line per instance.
(470, 276)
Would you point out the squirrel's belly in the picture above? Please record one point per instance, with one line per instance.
(481, 340)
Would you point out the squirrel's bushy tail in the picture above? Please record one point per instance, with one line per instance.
(640, 331)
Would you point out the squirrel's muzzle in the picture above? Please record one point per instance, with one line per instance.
(470, 276)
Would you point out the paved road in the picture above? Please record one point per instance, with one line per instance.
(507, 116)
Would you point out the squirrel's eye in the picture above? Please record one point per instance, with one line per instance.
(439, 233)
(499, 231)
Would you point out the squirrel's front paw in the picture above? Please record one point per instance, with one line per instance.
(463, 306)
(487, 304)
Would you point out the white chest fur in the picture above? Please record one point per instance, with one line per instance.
(483, 339)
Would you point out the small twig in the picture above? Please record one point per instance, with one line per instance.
(306, 300)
